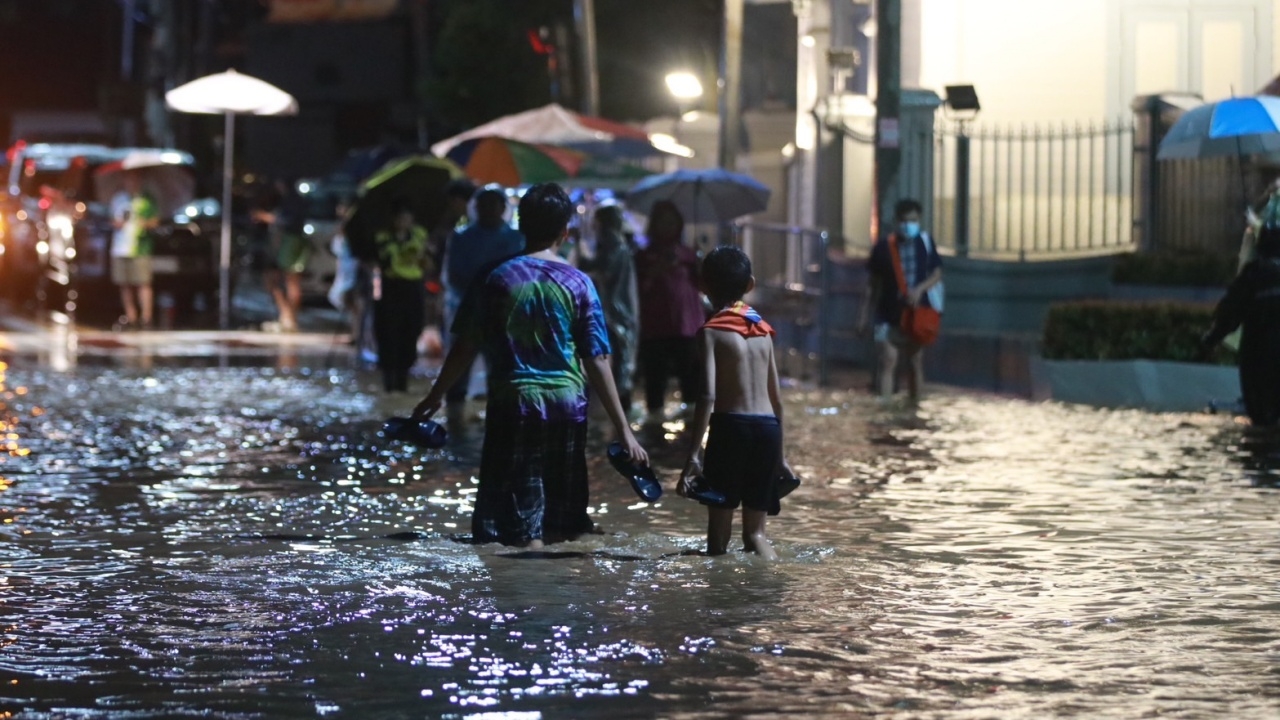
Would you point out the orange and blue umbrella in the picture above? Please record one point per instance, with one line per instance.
(513, 163)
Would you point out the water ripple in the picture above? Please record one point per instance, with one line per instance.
(240, 543)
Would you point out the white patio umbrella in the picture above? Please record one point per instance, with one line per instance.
(229, 94)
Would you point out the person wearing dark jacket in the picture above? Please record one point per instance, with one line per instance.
(1253, 301)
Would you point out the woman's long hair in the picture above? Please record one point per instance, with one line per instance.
(665, 210)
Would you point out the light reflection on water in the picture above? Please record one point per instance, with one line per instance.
(238, 543)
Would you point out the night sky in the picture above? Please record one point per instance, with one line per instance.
(65, 54)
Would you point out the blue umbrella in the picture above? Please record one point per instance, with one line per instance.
(711, 194)
(1239, 126)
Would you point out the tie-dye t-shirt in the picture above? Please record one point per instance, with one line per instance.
(535, 320)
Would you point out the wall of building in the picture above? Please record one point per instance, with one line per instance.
(1052, 61)
(352, 82)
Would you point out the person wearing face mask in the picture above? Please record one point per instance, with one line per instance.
(902, 270)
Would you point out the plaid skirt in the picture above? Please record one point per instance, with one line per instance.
(533, 481)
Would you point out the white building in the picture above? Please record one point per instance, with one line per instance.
(1031, 61)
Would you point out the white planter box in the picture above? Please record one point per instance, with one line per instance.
(1156, 385)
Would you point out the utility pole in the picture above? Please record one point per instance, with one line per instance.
(584, 14)
(888, 109)
(731, 84)
(422, 67)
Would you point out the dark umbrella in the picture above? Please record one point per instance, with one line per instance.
(712, 193)
(419, 180)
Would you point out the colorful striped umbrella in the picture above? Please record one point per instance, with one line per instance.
(513, 163)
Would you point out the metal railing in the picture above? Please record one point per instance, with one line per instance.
(1034, 190)
(793, 272)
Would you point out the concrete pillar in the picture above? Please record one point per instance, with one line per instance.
(813, 27)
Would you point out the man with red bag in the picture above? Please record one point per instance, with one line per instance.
(904, 292)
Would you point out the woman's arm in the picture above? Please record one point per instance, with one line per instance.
(1230, 311)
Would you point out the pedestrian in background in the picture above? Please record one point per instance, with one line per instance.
(903, 271)
(483, 243)
(404, 259)
(457, 202)
(613, 271)
(286, 254)
(349, 290)
(671, 310)
(134, 216)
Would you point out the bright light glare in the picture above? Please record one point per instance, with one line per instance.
(62, 225)
(42, 247)
(669, 144)
(172, 158)
(304, 187)
(309, 229)
(684, 85)
(808, 41)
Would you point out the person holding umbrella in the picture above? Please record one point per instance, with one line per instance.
(399, 310)
(671, 309)
(1253, 302)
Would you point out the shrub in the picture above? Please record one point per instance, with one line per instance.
(1193, 268)
(1116, 330)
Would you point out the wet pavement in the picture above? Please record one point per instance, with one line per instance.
(218, 531)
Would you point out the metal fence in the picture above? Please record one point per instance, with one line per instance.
(1034, 190)
(1198, 205)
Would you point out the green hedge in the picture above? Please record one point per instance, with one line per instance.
(1116, 330)
(1188, 268)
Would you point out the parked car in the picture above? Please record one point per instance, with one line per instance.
(30, 274)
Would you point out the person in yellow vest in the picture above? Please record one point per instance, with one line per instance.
(134, 216)
(399, 310)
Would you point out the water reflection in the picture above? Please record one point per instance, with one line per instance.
(238, 541)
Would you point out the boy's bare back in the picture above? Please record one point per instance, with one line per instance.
(745, 376)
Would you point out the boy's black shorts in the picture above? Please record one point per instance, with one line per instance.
(744, 455)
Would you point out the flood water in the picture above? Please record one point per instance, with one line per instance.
(238, 543)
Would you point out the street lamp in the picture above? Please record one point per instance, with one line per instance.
(684, 86)
(686, 89)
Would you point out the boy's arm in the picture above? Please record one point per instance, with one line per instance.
(775, 399)
(600, 374)
(457, 362)
(706, 404)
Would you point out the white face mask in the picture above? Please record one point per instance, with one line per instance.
(909, 230)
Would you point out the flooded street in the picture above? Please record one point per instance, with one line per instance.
(239, 543)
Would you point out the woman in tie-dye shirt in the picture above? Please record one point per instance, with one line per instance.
(539, 323)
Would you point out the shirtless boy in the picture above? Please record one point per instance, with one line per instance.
(742, 405)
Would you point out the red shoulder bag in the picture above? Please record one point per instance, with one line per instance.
(920, 324)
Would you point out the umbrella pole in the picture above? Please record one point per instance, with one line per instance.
(224, 262)
(1244, 190)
